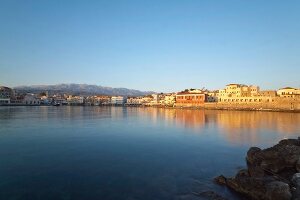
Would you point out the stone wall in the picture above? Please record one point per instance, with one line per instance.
(277, 104)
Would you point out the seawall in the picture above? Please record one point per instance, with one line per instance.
(277, 104)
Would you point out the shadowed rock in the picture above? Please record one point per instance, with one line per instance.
(271, 173)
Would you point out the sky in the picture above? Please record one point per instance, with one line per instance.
(150, 45)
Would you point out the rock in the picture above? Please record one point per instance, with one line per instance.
(278, 190)
(296, 189)
(270, 174)
(296, 194)
(298, 165)
(296, 179)
(221, 180)
(251, 155)
(242, 173)
(290, 142)
(256, 171)
(275, 159)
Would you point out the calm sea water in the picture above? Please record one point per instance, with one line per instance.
(106, 153)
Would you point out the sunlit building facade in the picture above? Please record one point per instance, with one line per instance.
(188, 99)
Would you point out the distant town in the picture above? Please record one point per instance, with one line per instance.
(233, 96)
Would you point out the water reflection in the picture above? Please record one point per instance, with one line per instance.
(146, 153)
(240, 127)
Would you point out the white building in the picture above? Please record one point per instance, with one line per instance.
(169, 99)
(134, 101)
(75, 100)
(288, 92)
(118, 100)
(31, 99)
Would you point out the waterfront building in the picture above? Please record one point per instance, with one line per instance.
(134, 101)
(118, 100)
(90, 101)
(17, 100)
(75, 100)
(61, 101)
(190, 99)
(212, 96)
(254, 90)
(147, 99)
(100, 100)
(169, 99)
(239, 93)
(103, 100)
(6, 94)
(157, 99)
(268, 93)
(97, 100)
(288, 92)
(58, 99)
(45, 100)
(240, 90)
(31, 99)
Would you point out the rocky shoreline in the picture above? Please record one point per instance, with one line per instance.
(271, 174)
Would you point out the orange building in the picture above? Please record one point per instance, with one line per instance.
(190, 99)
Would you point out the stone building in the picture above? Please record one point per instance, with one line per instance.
(239, 93)
(268, 93)
(288, 92)
(190, 99)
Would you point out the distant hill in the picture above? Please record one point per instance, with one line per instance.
(81, 89)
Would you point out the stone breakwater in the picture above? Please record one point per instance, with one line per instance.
(271, 174)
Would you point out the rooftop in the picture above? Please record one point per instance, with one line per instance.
(288, 88)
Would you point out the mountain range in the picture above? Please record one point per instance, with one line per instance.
(81, 89)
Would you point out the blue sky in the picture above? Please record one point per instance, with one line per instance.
(150, 45)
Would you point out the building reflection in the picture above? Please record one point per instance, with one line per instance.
(240, 127)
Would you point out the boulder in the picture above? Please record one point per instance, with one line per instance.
(252, 155)
(270, 174)
(221, 180)
(298, 164)
(296, 179)
(296, 188)
(277, 190)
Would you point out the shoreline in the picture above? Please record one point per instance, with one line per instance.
(172, 107)
(223, 108)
